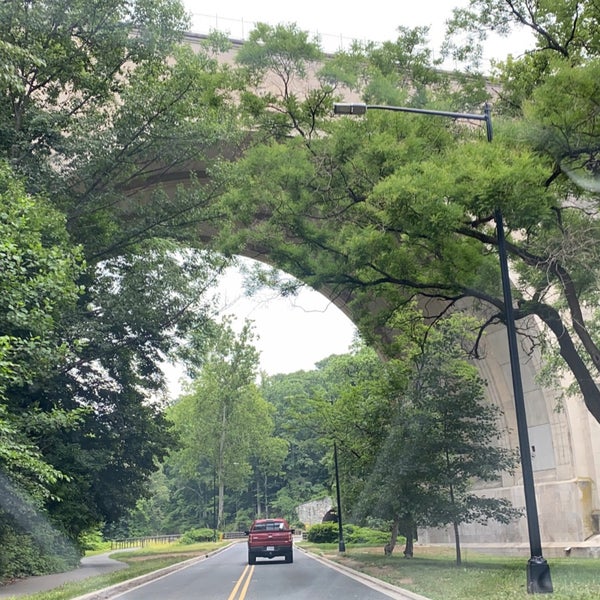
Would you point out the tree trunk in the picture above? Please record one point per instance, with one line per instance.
(457, 544)
(389, 547)
(220, 458)
(409, 546)
(568, 350)
(258, 507)
(587, 385)
(409, 531)
(221, 505)
(266, 498)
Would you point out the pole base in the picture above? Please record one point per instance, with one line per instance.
(538, 576)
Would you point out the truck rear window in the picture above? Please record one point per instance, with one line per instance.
(268, 526)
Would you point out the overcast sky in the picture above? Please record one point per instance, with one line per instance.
(338, 23)
(293, 333)
(296, 333)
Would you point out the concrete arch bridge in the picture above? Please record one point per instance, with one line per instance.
(565, 444)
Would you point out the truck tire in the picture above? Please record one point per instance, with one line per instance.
(289, 557)
(251, 558)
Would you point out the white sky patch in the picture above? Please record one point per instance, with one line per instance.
(337, 23)
(294, 332)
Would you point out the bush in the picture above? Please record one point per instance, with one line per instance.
(243, 520)
(193, 536)
(23, 555)
(323, 533)
(353, 534)
(327, 533)
(92, 540)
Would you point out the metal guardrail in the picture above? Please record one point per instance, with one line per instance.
(141, 542)
(233, 535)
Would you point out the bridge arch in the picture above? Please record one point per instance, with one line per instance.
(565, 444)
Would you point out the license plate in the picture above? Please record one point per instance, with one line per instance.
(270, 548)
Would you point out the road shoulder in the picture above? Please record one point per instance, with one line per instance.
(391, 590)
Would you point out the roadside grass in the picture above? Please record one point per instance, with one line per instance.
(433, 573)
(140, 562)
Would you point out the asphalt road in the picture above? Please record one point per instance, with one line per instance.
(227, 576)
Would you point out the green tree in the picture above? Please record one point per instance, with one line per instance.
(459, 434)
(101, 101)
(393, 491)
(286, 54)
(223, 421)
(93, 109)
(393, 205)
(151, 515)
(305, 475)
(131, 317)
(355, 414)
(441, 438)
(566, 28)
(366, 396)
(39, 268)
(340, 401)
(552, 91)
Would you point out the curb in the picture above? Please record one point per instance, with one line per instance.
(396, 592)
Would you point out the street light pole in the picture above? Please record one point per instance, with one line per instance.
(215, 504)
(341, 543)
(538, 570)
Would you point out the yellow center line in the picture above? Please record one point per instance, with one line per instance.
(245, 588)
(249, 570)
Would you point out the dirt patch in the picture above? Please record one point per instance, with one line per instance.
(385, 572)
(183, 555)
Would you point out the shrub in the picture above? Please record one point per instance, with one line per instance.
(193, 536)
(323, 533)
(327, 533)
(23, 555)
(353, 534)
(92, 540)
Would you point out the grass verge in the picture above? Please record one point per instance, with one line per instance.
(433, 573)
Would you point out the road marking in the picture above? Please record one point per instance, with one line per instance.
(245, 588)
(249, 571)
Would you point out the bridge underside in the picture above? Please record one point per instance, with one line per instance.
(564, 443)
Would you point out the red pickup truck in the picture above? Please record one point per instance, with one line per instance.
(268, 538)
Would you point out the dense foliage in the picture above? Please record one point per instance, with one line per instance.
(412, 435)
(224, 424)
(393, 206)
(327, 533)
(97, 291)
